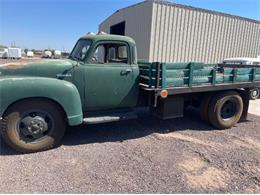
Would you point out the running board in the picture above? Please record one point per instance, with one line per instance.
(109, 118)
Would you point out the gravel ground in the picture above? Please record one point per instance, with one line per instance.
(19, 62)
(141, 156)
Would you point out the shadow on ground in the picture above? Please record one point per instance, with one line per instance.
(125, 130)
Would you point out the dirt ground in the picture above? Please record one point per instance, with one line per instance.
(20, 61)
(141, 156)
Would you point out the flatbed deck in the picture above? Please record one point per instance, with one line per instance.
(179, 78)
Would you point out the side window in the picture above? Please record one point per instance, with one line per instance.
(111, 53)
(122, 52)
(99, 55)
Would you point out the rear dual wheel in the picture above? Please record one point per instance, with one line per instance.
(33, 125)
(254, 93)
(223, 110)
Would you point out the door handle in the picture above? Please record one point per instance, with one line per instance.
(126, 71)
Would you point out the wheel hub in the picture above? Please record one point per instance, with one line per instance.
(255, 93)
(228, 110)
(37, 125)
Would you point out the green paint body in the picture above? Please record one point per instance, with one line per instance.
(80, 87)
(77, 87)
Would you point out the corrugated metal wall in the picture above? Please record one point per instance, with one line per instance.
(138, 25)
(170, 32)
(181, 34)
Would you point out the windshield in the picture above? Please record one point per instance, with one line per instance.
(80, 50)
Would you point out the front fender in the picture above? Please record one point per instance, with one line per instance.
(13, 89)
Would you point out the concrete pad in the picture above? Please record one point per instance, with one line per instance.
(254, 107)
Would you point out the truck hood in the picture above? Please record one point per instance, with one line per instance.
(46, 68)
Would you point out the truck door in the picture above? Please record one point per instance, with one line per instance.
(111, 80)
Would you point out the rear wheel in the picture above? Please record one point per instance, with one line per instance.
(225, 109)
(33, 125)
(254, 93)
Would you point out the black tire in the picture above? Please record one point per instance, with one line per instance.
(204, 107)
(225, 109)
(254, 93)
(45, 114)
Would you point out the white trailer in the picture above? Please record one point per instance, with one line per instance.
(3, 53)
(15, 53)
(47, 54)
(57, 54)
(30, 54)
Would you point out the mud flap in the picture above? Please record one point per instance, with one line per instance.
(245, 94)
(171, 107)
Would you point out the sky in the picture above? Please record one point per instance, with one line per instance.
(57, 24)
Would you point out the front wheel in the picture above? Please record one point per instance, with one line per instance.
(33, 125)
(225, 109)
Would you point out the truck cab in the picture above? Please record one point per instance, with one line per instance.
(108, 66)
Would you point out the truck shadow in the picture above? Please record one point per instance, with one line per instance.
(132, 129)
(126, 130)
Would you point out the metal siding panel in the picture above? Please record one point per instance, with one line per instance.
(217, 41)
(257, 41)
(178, 37)
(191, 33)
(156, 40)
(229, 40)
(197, 37)
(239, 29)
(247, 39)
(254, 52)
(194, 38)
(185, 35)
(202, 39)
(243, 37)
(228, 43)
(210, 47)
(159, 24)
(174, 36)
(181, 35)
(239, 35)
(207, 37)
(153, 32)
(252, 35)
(165, 33)
(172, 33)
(230, 46)
(215, 35)
(224, 37)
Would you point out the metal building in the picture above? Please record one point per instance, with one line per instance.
(171, 32)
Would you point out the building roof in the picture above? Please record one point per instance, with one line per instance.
(186, 7)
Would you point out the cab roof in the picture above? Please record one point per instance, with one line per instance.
(108, 37)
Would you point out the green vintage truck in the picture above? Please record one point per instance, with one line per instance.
(102, 81)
